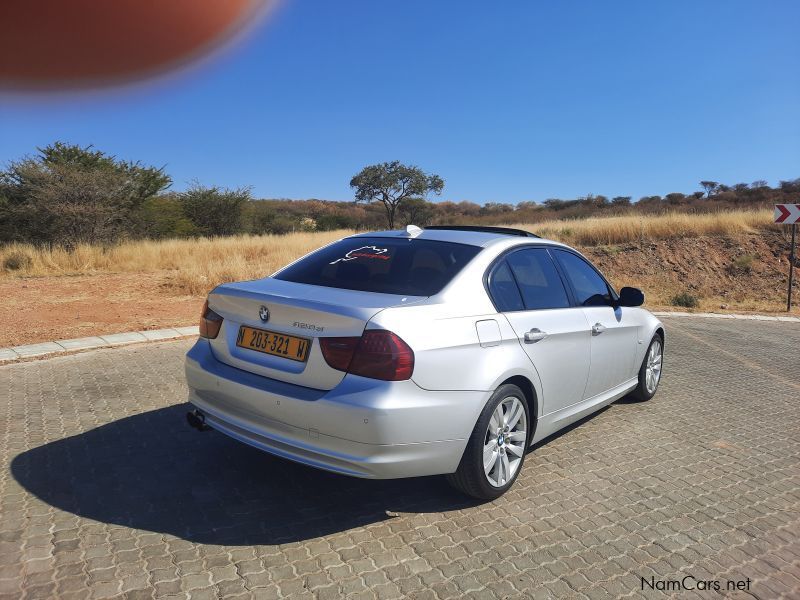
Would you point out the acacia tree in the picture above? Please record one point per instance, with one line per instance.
(710, 187)
(392, 183)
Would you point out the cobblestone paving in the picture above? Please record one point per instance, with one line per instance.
(106, 492)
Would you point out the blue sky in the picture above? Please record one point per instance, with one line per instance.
(507, 101)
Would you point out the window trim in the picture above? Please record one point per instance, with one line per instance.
(500, 258)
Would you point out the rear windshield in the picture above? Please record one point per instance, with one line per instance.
(409, 267)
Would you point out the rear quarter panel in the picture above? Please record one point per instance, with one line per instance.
(448, 354)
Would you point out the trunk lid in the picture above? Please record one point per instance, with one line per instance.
(295, 309)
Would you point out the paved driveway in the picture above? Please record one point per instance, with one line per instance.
(105, 491)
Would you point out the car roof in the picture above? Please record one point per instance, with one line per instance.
(473, 237)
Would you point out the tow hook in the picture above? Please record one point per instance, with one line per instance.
(197, 420)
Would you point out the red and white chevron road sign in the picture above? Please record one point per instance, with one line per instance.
(787, 214)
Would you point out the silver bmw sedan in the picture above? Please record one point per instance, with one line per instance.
(445, 350)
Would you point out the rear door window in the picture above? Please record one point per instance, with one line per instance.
(538, 279)
(409, 267)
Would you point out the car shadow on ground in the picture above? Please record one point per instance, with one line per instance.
(152, 472)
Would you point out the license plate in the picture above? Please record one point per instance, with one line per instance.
(277, 344)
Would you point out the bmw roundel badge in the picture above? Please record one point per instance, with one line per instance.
(263, 313)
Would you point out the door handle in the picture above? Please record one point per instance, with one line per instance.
(598, 328)
(534, 335)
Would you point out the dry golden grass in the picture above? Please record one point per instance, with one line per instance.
(197, 265)
(621, 230)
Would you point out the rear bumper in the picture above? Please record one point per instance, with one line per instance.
(363, 427)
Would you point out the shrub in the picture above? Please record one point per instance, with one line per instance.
(333, 222)
(215, 211)
(69, 194)
(744, 263)
(308, 224)
(282, 224)
(161, 217)
(16, 261)
(685, 300)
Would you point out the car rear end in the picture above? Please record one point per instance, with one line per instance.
(297, 364)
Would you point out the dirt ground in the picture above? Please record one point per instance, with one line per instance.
(39, 309)
(716, 270)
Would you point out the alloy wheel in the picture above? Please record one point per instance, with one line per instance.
(653, 368)
(504, 442)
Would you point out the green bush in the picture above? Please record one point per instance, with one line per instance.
(282, 224)
(332, 222)
(215, 211)
(685, 300)
(68, 194)
(162, 217)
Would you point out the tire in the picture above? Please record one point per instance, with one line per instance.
(503, 444)
(647, 388)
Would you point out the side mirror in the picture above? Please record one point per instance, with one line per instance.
(631, 296)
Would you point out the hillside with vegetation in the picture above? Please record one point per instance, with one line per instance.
(65, 195)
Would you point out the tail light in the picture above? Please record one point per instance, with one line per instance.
(210, 322)
(338, 351)
(378, 354)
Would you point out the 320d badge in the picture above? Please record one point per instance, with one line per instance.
(448, 350)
